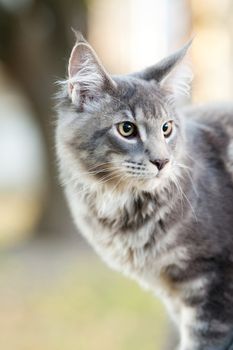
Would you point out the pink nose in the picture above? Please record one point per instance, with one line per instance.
(159, 163)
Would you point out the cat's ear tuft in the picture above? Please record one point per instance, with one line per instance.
(171, 73)
(178, 81)
(87, 77)
(78, 36)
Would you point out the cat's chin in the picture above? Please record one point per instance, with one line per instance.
(152, 185)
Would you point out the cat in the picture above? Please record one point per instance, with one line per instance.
(150, 186)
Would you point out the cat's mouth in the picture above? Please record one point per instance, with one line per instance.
(147, 176)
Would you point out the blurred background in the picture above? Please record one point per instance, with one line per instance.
(54, 292)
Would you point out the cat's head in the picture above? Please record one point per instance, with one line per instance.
(122, 131)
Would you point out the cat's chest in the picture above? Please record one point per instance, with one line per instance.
(127, 227)
(121, 212)
(130, 237)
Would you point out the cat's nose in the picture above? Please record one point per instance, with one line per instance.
(159, 163)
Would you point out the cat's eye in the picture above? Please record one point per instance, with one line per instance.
(127, 129)
(167, 128)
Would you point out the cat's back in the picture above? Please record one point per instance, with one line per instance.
(209, 128)
(211, 114)
(209, 135)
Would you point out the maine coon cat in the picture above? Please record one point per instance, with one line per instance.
(150, 187)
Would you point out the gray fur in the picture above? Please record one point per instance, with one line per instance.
(171, 230)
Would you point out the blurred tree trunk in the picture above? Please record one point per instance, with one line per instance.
(35, 46)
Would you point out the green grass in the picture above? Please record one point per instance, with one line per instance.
(84, 307)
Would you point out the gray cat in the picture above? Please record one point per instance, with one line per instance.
(150, 187)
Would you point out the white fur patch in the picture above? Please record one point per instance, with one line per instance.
(188, 316)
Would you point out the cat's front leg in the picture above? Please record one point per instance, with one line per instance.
(202, 332)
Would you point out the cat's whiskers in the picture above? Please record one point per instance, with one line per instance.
(182, 165)
(134, 165)
(80, 174)
(98, 171)
(96, 166)
(188, 172)
(194, 161)
(180, 195)
(141, 176)
(138, 170)
(106, 178)
(91, 187)
(184, 196)
(122, 178)
(93, 172)
(76, 181)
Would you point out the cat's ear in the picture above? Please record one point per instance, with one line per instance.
(87, 77)
(171, 72)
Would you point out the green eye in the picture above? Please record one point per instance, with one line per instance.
(127, 129)
(167, 128)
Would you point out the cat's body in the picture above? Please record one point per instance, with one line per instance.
(170, 229)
